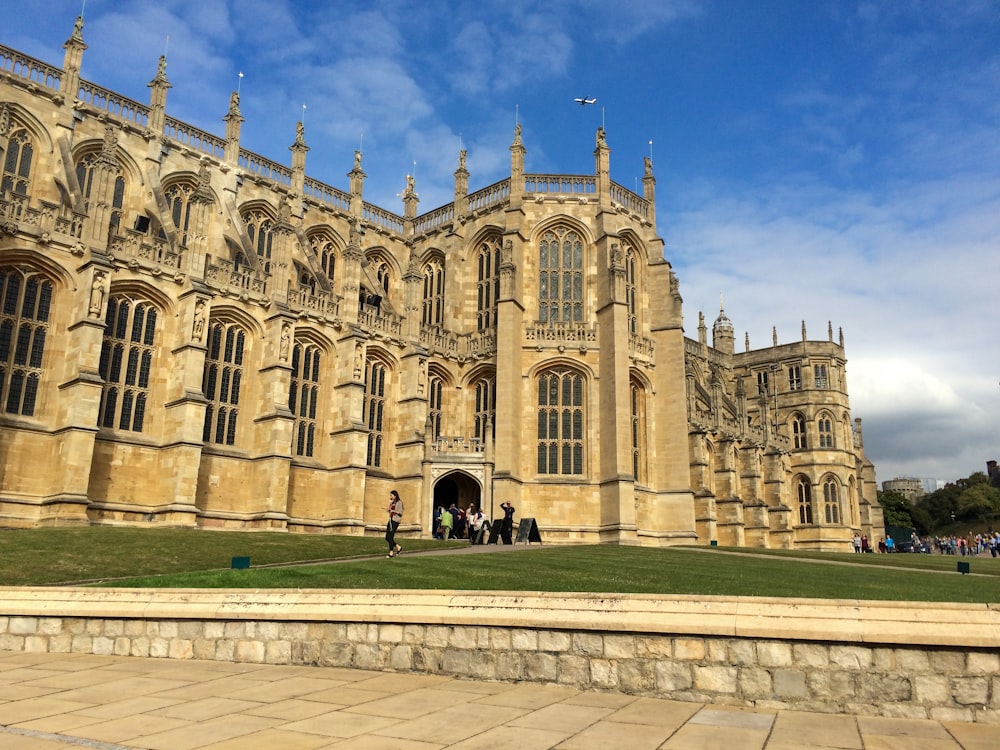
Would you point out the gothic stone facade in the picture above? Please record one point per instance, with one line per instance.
(191, 334)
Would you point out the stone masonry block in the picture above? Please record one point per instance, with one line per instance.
(717, 651)
(911, 660)
(336, 654)
(11, 642)
(292, 631)
(509, 666)
(588, 644)
(190, 630)
(368, 656)
(554, 640)
(401, 658)
(82, 644)
(250, 651)
(181, 648)
(203, 648)
(437, 636)
(947, 662)
(159, 648)
(60, 644)
(982, 662)
(932, 689)
(463, 638)
(853, 658)
(167, 629)
(604, 673)
(113, 628)
(413, 635)
(123, 646)
(755, 683)
(653, 646)
(22, 625)
(970, 691)
(619, 647)
(50, 625)
(672, 676)
(524, 640)
(742, 652)
(636, 676)
(883, 688)
(832, 686)
(225, 650)
(774, 654)
(574, 670)
(500, 639)
(278, 652)
(789, 683)
(715, 679)
(456, 661)
(37, 644)
(390, 633)
(689, 649)
(541, 667)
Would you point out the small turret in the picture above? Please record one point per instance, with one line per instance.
(723, 334)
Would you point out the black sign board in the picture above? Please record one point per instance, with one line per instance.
(527, 531)
(495, 529)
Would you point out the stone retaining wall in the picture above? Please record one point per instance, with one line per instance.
(764, 653)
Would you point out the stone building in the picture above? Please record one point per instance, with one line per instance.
(192, 334)
(910, 488)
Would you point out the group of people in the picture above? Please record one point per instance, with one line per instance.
(451, 523)
(970, 545)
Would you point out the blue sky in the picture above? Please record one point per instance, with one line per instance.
(820, 161)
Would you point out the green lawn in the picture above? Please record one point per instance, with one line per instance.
(196, 558)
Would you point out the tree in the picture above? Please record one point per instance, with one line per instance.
(896, 509)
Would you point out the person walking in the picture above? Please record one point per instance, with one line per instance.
(507, 529)
(395, 517)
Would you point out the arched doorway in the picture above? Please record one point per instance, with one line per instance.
(455, 487)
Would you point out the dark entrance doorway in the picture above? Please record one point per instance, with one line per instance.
(458, 488)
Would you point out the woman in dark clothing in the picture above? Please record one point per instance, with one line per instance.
(395, 517)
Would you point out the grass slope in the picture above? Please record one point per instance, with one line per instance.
(183, 558)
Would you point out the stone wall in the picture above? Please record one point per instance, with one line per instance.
(410, 631)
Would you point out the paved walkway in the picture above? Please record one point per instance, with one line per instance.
(61, 701)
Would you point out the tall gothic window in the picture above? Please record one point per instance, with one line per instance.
(638, 424)
(375, 377)
(223, 382)
(384, 275)
(433, 304)
(831, 501)
(260, 228)
(763, 383)
(326, 254)
(798, 432)
(89, 172)
(560, 423)
(825, 426)
(632, 290)
(794, 378)
(303, 397)
(25, 300)
(486, 391)
(560, 277)
(126, 363)
(820, 376)
(436, 391)
(804, 492)
(179, 200)
(16, 175)
(487, 283)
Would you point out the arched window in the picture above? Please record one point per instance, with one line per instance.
(486, 391)
(178, 198)
(126, 363)
(632, 289)
(375, 382)
(94, 174)
(384, 275)
(560, 277)
(825, 426)
(433, 304)
(434, 400)
(25, 301)
(326, 254)
(487, 283)
(223, 382)
(798, 432)
(831, 501)
(303, 396)
(804, 492)
(16, 175)
(260, 229)
(638, 408)
(560, 422)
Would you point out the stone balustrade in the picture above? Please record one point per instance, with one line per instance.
(866, 658)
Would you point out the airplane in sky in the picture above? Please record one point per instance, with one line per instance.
(584, 101)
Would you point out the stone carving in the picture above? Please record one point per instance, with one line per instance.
(199, 321)
(97, 294)
(285, 343)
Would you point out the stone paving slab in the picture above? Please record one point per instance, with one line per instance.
(64, 701)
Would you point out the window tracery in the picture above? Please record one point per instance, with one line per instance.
(222, 382)
(560, 276)
(126, 363)
(25, 303)
(560, 422)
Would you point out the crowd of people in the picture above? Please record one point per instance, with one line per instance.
(969, 545)
(472, 523)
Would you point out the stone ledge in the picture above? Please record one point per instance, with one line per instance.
(841, 621)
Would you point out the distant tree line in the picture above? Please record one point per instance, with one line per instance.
(970, 504)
